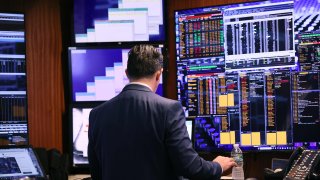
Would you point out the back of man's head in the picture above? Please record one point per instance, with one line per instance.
(143, 61)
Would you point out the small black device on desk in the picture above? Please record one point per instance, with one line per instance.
(303, 164)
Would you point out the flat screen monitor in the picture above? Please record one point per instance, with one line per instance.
(118, 21)
(248, 73)
(20, 163)
(80, 125)
(13, 86)
(190, 126)
(99, 74)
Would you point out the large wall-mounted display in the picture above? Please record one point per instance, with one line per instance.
(13, 86)
(118, 21)
(250, 73)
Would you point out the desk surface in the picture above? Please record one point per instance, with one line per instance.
(226, 177)
(78, 176)
(81, 176)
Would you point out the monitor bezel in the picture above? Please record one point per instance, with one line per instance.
(70, 78)
(78, 168)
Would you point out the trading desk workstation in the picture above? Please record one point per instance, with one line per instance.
(246, 73)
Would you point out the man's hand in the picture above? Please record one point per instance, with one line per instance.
(225, 162)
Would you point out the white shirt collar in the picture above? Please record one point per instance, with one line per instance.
(142, 84)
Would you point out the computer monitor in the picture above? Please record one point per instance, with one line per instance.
(98, 74)
(13, 81)
(20, 163)
(248, 73)
(80, 125)
(118, 21)
(190, 126)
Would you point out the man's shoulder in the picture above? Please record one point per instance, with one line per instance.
(163, 99)
(152, 98)
(166, 103)
(100, 107)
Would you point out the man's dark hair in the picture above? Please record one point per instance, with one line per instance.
(143, 61)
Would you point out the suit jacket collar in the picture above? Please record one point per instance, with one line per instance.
(137, 87)
(141, 84)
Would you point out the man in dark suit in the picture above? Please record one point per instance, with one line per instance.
(142, 136)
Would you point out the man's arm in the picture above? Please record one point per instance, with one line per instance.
(93, 160)
(185, 160)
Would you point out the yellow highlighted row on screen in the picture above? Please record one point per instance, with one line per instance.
(254, 138)
(226, 100)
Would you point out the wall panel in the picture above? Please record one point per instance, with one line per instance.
(44, 73)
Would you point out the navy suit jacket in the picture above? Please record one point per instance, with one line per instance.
(140, 135)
